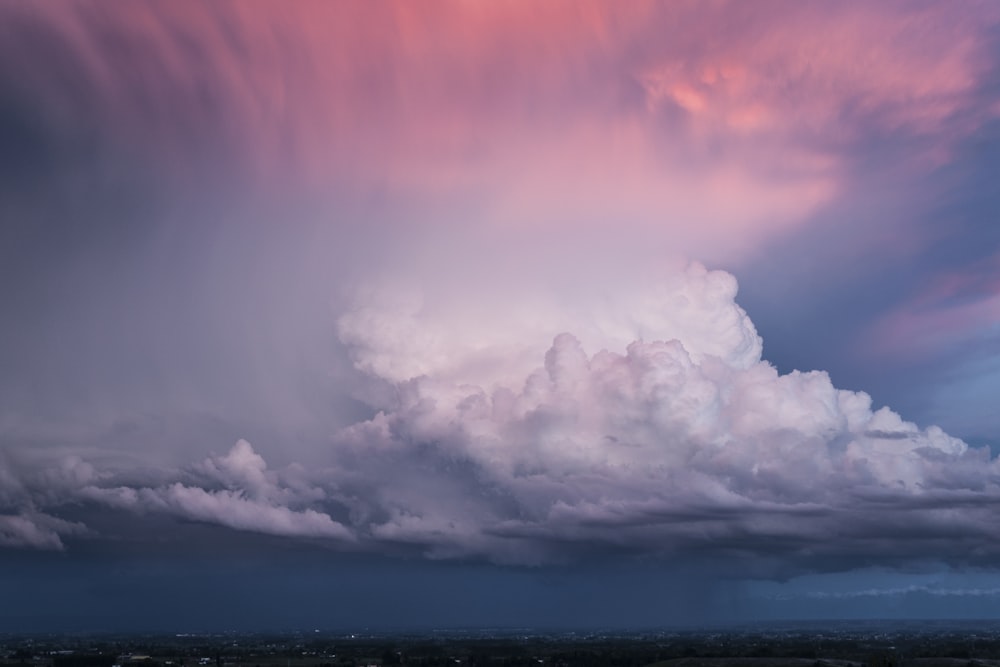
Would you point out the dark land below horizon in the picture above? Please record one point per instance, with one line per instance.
(789, 644)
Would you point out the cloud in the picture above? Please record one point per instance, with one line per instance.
(22, 525)
(951, 310)
(532, 391)
(901, 591)
(579, 114)
(680, 439)
(36, 530)
(650, 425)
(482, 331)
(277, 154)
(253, 500)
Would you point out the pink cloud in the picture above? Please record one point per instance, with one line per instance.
(711, 126)
(955, 308)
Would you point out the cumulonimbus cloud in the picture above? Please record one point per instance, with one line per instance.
(679, 444)
(686, 441)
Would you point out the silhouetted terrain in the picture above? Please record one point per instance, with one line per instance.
(833, 644)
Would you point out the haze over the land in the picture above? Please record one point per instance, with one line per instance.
(632, 314)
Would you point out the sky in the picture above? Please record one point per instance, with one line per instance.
(497, 314)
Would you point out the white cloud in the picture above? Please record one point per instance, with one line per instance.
(492, 332)
(668, 432)
(653, 427)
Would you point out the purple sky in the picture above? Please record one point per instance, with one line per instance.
(492, 296)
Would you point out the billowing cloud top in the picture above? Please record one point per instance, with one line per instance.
(660, 431)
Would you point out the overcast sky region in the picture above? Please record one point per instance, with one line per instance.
(390, 314)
